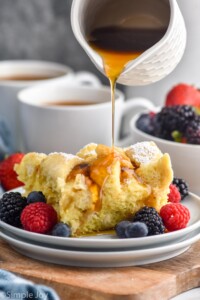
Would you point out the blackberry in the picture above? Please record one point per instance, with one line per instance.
(182, 186)
(11, 206)
(151, 218)
(193, 131)
(173, 118)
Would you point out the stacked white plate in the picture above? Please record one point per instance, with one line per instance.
(106, 250)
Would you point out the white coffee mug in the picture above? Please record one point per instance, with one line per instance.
(16, 75)
(48, 127)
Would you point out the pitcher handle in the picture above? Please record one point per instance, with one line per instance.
(128, 106)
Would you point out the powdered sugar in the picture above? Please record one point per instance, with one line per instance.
(91, 153)
(65, 155)
(88, 151)
(90, 145)
(91, 149)
(143, 153)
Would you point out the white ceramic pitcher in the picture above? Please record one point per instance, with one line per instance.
(156, 62)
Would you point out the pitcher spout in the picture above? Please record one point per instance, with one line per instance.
(149, 36)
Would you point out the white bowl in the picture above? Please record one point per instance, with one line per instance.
(185, 157)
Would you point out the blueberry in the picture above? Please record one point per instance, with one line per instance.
(121, 227)
(145, 123)
(136, 229)
(36, 197)
(61, 229)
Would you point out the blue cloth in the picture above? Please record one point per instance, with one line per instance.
(13, 287)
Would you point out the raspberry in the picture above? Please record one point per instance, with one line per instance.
(175, 216)
(174, 196)
(38, 217)
(8, 176)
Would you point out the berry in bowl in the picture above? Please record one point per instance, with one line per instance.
(179, 123)
(175, 128)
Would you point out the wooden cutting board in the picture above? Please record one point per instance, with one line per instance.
(157, 281)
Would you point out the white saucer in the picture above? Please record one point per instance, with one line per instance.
(101, 259)
(106, 242)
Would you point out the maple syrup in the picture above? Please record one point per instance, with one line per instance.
(98, 233)
(117, 46)
(79, 169)
(121, 30)
(97, 172)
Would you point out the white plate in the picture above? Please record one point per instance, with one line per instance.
(111, 242)
(100, 259)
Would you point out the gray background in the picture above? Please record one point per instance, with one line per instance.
(41, 29)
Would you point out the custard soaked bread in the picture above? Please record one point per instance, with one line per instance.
(99, 187)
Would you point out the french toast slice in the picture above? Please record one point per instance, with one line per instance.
(100, 186)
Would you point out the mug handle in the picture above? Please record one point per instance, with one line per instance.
(87, 78)
(128, 106)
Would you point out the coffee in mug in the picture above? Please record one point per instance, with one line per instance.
(70, 103)
(30, 77)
